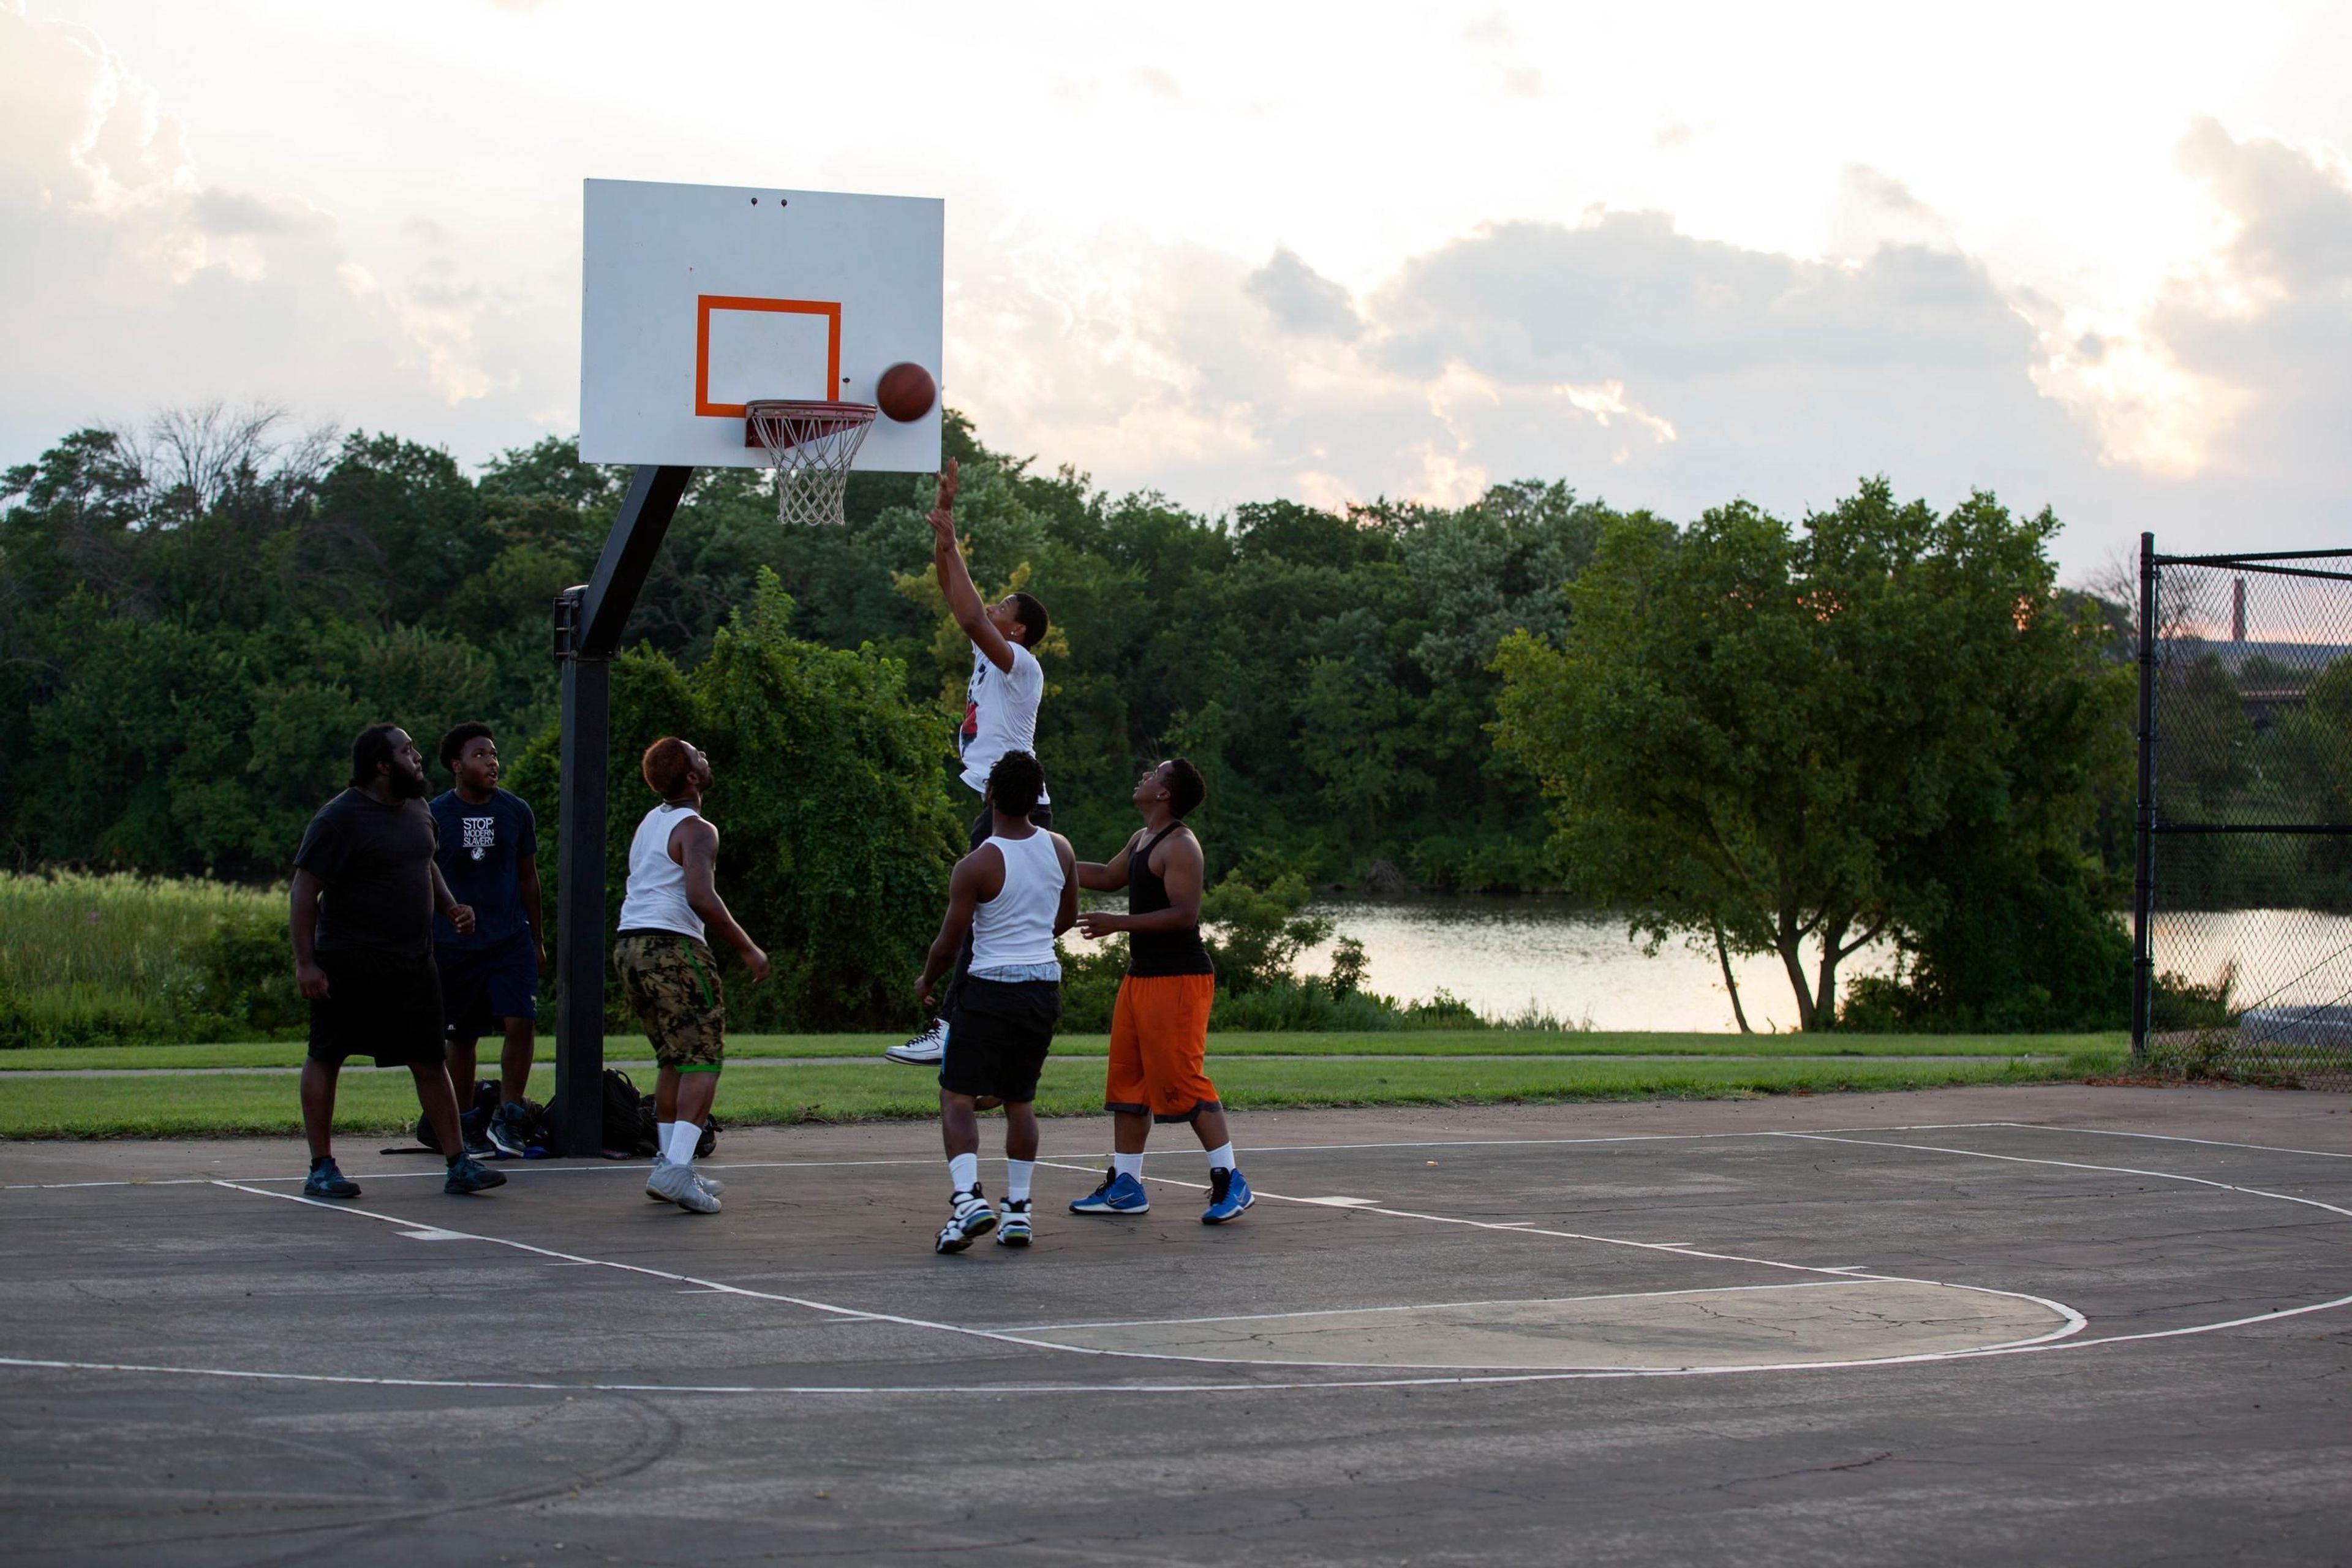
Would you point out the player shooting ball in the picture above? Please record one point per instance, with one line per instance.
(1000, 710)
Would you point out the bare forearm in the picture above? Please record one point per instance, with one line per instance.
(1098, 878)
(303, 919)
(1156, 921)
(442, 899)
(527, 885)
(718, 923)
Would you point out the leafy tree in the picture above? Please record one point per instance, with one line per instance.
(1772, 740)
(835, 832)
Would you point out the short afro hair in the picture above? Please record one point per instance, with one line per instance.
(1033, 624)
(371, 749)
(666, 765)
(1015, 782)
(453, 744)
(1186, 787)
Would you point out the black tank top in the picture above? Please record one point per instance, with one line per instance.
(1159, 952)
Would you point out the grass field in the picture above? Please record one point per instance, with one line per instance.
(1252, 1072)
(112, 954)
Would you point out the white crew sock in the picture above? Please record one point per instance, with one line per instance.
(662, 1131)
(1221, 1158)
(1128, 1165)
(683, 1137)
(963, 1170)
(1016, 1179)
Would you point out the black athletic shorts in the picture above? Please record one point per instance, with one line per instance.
(483, 987)
(379, 1005)
(998, 1037)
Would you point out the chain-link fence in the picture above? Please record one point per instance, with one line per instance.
(2242, 908)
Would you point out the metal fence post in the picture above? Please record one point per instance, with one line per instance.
(2144, 814)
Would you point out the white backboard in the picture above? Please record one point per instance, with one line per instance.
(696, 300)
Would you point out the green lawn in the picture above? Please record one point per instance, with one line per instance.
(624, 1049)
(375, 1103)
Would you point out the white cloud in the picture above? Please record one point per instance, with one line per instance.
(132, 282)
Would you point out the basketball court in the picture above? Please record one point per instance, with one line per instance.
(2088, 1324)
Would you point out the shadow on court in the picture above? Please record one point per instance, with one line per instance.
(2073, 1324)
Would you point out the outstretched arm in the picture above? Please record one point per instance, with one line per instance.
(955, 578)
(694, 844)
(1181, 868)
(1109, 875)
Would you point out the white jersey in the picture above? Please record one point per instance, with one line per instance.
(1014, 929)
(1000, 713)
(656, 899)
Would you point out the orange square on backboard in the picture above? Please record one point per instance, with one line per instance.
(704, 304)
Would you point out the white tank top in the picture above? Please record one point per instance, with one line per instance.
(1016, 927)
(656, 899)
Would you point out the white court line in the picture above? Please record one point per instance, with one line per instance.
(2111, 1132)
(1432, 1306)
(2071, 1343)
(2070, 1321)
(537, 1166)
(2069, 1165)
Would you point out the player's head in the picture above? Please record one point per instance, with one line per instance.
(1015, 782)
(471, 753)
(673, 767)
(385, 752)
(1175, 782)
(1021, 619)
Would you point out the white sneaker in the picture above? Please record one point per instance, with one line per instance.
(924, 1050)
(679, 1184)
(710, 1185)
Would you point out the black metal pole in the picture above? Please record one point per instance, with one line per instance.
(2144, 812)
(588, 624)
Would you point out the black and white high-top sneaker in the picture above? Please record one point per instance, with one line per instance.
(969, 1218)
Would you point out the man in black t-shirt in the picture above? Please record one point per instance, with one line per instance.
(365, 890)
(489, 855)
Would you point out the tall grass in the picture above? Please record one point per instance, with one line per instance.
(92, 960)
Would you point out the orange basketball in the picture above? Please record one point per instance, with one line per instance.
(906, 392)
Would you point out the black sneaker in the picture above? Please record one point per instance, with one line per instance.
(426, 1136)
(328, 1181)
(471, 1177)
(509, 1131)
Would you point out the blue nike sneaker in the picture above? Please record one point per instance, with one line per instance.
(1229, 1194)
(1117, 1194)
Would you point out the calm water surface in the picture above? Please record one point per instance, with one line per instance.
(1504, 955)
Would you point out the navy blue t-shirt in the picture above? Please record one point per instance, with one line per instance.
(478, 850)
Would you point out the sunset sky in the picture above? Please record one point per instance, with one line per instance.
(2095, 257)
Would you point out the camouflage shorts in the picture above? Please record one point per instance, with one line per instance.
(673, 984)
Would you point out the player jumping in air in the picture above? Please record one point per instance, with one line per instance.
(1160, 1025)
(1000, 710)
(366, 891)
(490, 975)
(667, 970)
(1008, 899)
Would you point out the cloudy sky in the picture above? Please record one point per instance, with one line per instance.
(2097, 257)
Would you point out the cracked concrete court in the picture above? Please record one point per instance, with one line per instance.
(2053, 1324)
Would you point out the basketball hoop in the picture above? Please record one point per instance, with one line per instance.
(809, 445)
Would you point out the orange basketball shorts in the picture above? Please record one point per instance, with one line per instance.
(1159, 1045)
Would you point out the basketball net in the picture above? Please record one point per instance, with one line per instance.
(811, 447)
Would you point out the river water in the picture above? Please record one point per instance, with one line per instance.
(1505, 955)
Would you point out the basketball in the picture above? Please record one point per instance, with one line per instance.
(906, 392)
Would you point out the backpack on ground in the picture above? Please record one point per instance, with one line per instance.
(628, 1116)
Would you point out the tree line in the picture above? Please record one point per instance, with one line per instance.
(1759, 735)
